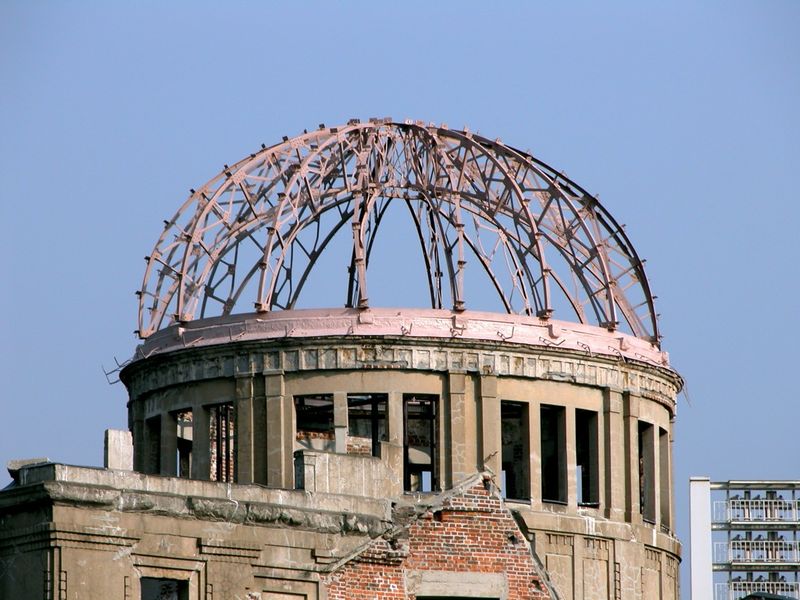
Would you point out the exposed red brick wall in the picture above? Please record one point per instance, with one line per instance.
(471, 532)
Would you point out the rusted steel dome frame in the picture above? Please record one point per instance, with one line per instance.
(467, 196)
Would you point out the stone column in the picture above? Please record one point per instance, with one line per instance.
(259, 437)
(535, 441)
(630, 412)
(169, 445)
(279, 449)
(244, 429)
(137, 425)
(667, 508)
(340, 421)
(655, 456)
(457, 468)
(491, 450)
(395, 416)
(650, 473)
(392, 451)
(571, 457)
(201, 444)
(599, 443)
(614, 471)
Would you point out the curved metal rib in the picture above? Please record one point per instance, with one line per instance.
(256, 228)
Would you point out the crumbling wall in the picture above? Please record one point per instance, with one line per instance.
(468, 545)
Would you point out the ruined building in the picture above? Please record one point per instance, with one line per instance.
(362, 451)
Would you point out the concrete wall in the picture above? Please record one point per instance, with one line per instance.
(79, 533)
(466, 546)
(364, 476)
(620, 546)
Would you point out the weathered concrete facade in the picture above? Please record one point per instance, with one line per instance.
(571, 447)
(366, 452)
(91, 533)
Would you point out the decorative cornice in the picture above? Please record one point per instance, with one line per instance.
(54, 484)
(50, 534)
(503, 359)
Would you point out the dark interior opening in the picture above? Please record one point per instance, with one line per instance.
(314, 422)
(516, 456)
(554, 463)
(586, 458)
(366, 423)
(419, 444)
(184, 443)
(158, 588)
(647, 483)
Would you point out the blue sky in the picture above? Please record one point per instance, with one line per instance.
(682, 117)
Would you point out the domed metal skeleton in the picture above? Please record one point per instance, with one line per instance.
(258, 228)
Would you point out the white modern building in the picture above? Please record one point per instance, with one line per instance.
(745, 539)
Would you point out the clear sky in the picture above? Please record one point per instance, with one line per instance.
(682, 117)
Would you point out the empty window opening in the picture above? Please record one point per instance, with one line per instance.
(156, 588)
(184, 443)
(153, 445)
(222, 435)
(586, 458)
(515, 476)
(314, 421)
(664, 472)
(647, 483)
(419, 444)
(554, 463)
(366, 423)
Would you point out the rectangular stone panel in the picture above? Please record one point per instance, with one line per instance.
(517, 365)
(503, 364)
(595, 579)
(422, 359)
(327, 358)
(347, 358)
(310, 359)
(559, 568)
(290, 360)
(651, 588)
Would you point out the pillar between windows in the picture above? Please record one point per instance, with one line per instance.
(392, 450)
(280, 426)
(395, 416)
(139, 444)
(602, 473)
(535, 446)
(656, 466)
(630, 414)
(340, 421)
(490, 426)
(244, 429)
(614, 455)
(571, 458)
(151, 450)
(169, 445)
(666, 482)
(457, 469)
(201, 443)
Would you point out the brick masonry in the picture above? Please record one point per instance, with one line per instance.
(470, 532)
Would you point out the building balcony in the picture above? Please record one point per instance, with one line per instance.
(741, 553)
(771, 511)
(734, 590)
